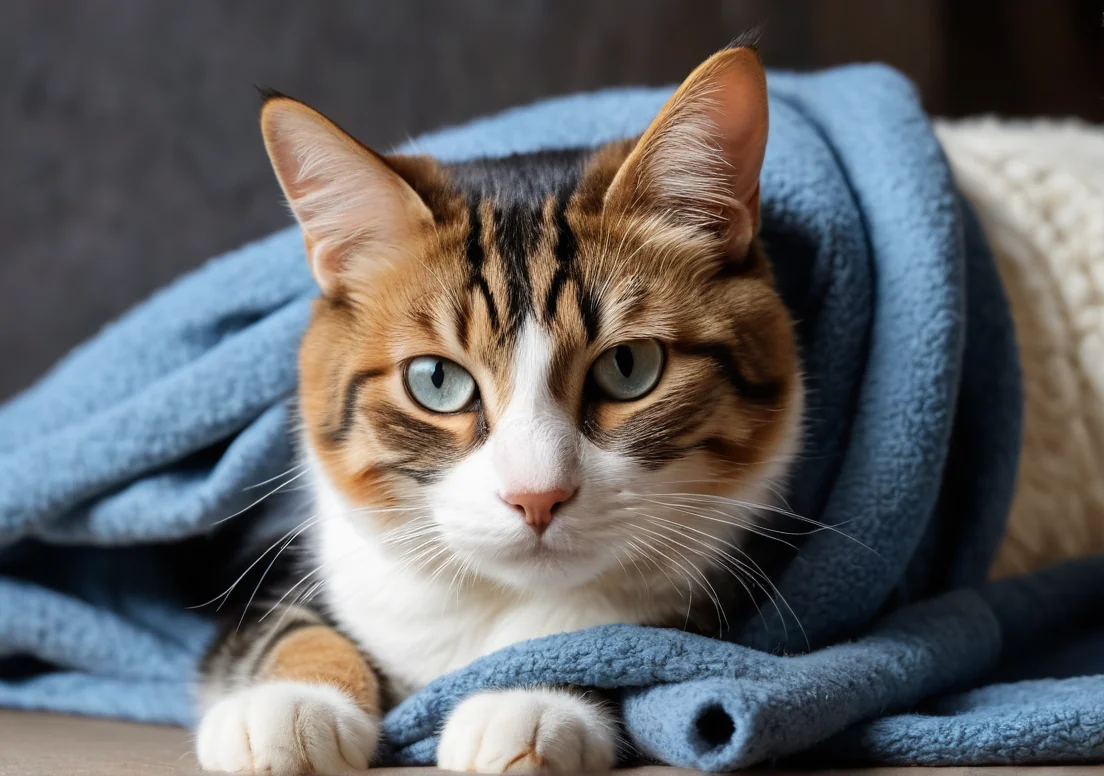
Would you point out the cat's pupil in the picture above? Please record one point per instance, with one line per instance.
(623, 357)
(438, 376)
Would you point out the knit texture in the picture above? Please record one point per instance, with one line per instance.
(1038, 188)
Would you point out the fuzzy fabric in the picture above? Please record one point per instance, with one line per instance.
(1038, 189)
(149, 434)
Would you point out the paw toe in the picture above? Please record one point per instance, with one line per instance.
(526, 731)
(287, 729)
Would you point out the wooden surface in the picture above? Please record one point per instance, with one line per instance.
(45, 745)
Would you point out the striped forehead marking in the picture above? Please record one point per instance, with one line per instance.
(506, 201)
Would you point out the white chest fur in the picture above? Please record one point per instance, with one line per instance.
(417, 628)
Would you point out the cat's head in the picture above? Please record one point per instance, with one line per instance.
(545, 367)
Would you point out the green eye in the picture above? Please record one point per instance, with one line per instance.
(630, 370)
(438, 384)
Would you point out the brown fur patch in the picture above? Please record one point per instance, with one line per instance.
(319, 654)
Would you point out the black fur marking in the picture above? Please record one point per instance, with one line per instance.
(476, 259)
(748, 39)
(518, 186)
(227, 650)
(516, 232)
(553, 297)
(243, 629)
(652, 437)
(768, 392)
(492, 312)
(426, 449)
(520, 179)
(425, 321)
(565, 250)
(420, 476)
(589, 310)
(560, 370)
(267, 94)
(349, 405)
(463, 314)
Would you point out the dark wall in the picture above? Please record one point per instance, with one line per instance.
(129, 151)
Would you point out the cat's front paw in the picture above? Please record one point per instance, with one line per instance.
(526, 731)
(286, 729)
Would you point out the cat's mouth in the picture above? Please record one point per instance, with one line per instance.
(508, 552)
(541, 564)
(537, 550)
(535, 563)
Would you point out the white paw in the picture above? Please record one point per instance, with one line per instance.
(525, 731)
(286, 728)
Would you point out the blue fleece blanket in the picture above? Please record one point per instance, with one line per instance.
(890, 648)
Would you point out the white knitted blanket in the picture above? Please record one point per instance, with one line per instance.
(1038, 189)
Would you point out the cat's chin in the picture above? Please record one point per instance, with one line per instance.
(540, 569)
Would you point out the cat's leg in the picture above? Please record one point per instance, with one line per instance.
(529, 730)
(288, 696)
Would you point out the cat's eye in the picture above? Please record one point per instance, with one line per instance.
(629, 370)
(438, 384)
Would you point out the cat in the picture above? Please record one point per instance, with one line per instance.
(538, 394)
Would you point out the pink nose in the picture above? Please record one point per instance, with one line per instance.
(538, 508)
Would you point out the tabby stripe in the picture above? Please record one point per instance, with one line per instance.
(349, 405)
(554, 289)
(720, 354)
(650, 437)
(425, 449)
(564, 251)
(588, 309)
(238, 651)
(476, 259)
(429, 450)
(462, 315)
(559, 370)
(420, 476)
(515, 231)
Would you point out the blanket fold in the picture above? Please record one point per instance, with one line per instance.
(880, 641)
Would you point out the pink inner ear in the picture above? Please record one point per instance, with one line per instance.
(739, 112)
(354, 209)
(287, 167)
(700, 159)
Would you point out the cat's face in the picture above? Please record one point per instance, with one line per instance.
(542, 369)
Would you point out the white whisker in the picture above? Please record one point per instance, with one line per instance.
(272, 479)
(275, 490)
(706, 585)
(303, 526)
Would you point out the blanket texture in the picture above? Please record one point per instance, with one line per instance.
(890, 645)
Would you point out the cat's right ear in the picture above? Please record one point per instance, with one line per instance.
(354, 209)
(698, 163)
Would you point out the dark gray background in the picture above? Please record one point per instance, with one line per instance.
(128, 143)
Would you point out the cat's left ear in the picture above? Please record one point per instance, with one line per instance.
(355, 211)
(698, 162)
